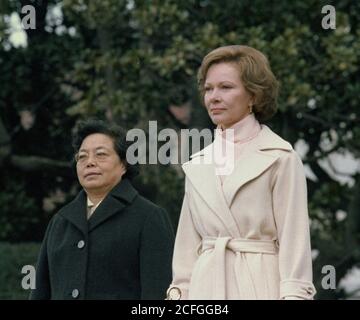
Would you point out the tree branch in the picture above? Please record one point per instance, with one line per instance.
(29, 163)
(34, 163)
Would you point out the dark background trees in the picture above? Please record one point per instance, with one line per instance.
(135, 61)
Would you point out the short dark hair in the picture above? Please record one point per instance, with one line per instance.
(85, 128)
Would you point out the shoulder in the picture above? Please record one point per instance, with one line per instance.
(272, 144)
(288, 166)
(147, 208)
(66, 208)
(267, 139)
(146, 203)
(291, 157)
(59, 215)
(70, 210)
(153, 218)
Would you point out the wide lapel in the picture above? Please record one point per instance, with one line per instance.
(75, 212)
(201, 173)
(118, 198)
(257, 160)
(250, 167)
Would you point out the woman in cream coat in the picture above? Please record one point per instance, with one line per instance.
(243, 234)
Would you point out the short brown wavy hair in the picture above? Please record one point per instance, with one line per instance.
(255, 74)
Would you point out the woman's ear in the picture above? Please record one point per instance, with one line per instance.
(124, 167)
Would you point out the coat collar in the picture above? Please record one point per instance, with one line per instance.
(117, 199)
(265, 140)
(202, 175)
(264, 154)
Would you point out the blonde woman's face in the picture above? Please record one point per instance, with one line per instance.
(226, 98)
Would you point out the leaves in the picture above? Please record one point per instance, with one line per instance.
(130, 61)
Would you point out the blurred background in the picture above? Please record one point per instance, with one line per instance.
(130, 62)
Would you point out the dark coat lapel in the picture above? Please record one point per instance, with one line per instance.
(75, 212)
(118, 198)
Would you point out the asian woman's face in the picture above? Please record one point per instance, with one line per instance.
(99, 167)
(226, 99)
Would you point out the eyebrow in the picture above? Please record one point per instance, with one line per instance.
(221, 82)
(97, 148)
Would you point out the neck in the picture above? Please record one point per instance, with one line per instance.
(248, 117)
(244, 130)
(96, 195)
(95, 198)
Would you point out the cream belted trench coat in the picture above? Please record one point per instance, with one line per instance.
(248, 239)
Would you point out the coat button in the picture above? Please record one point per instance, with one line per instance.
(75, 293)
(81, 244)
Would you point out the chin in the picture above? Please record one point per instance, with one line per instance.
(216, 120)
(91, 185)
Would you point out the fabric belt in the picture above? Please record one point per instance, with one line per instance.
(219, 245)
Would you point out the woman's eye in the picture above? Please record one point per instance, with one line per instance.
(81, 157)
(101, 155)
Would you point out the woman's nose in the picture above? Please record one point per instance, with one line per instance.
(214, 95)
(90, 161)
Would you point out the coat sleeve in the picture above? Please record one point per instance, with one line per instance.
(292, 222)
(156, 248)
(42, 289)
(185, 251)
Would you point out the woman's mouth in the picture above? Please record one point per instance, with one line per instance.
(91, 175)
(217, 110)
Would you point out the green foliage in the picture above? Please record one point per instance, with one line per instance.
(130, 60)
(13, 258)
(18, 213)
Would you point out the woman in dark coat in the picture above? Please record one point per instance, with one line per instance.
(109, 242)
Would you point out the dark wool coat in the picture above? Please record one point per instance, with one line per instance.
(123, 251)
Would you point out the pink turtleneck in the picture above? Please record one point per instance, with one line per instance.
(244, 131)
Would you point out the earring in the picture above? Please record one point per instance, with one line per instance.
(250, 109)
